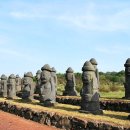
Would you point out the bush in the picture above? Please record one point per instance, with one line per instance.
(104, 88)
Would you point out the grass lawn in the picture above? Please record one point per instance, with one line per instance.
(118, 94)
(118, 118)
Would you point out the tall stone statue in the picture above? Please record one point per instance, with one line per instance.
(127, 79)
(54, 76)
(28, 86)
(18, 84)
(94, 63)
(70, 84)
(11, 87)
(47, 88)
(38, 81)
(89, 92)
(3, 86)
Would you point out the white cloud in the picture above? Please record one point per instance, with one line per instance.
(88, 18)
(9, 53)
(115, 49)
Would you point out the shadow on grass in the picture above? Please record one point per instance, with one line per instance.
(116, 116)
(65, 108)
(57, 106)
(33, 102)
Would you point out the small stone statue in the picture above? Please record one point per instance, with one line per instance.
(18, 84)
(28, 86)
(11, 87)
(47, 88)
(38, 81)
(71, 84)
(127, 79)
(3, 86)
(94, 63)
(89, 93)
(54, 76)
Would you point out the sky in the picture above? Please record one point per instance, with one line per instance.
(63, 33)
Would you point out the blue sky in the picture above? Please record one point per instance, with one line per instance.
(63, 33)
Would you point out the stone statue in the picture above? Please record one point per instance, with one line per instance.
(0, 89)
(18, 84)
(3, 86)
(38, 81)
(128, 117)
(28, 86)
(47, 88)
(54, 76)
(89, 92)
(94, 63)
(70, 84)
(11, 87)
(127, 79)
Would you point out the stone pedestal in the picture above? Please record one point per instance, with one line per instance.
(89, 92)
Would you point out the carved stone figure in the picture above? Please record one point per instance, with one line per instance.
(38, 81)
(127, 79)
(94, 63)
(89, 92)
(47, 88)
(0, 89)
(28, 86)
(11, 87)
(70, 84)
(18, 84)
(3, 86)
(54, 76)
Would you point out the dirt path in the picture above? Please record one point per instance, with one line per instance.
(12, 122)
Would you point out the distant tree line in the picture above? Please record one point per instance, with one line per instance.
(109, 81)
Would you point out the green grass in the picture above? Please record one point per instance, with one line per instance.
(115, 94)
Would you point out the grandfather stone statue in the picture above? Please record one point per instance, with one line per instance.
(70, 84)
(38, 81)
(18, 84)
(127, 79)
(94, 63)
(28, 86)
(11, 87)
(47, 88)
(3, 86)
(89, 92)
(54, 76)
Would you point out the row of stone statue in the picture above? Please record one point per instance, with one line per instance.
(46, 82)
(46, 86)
